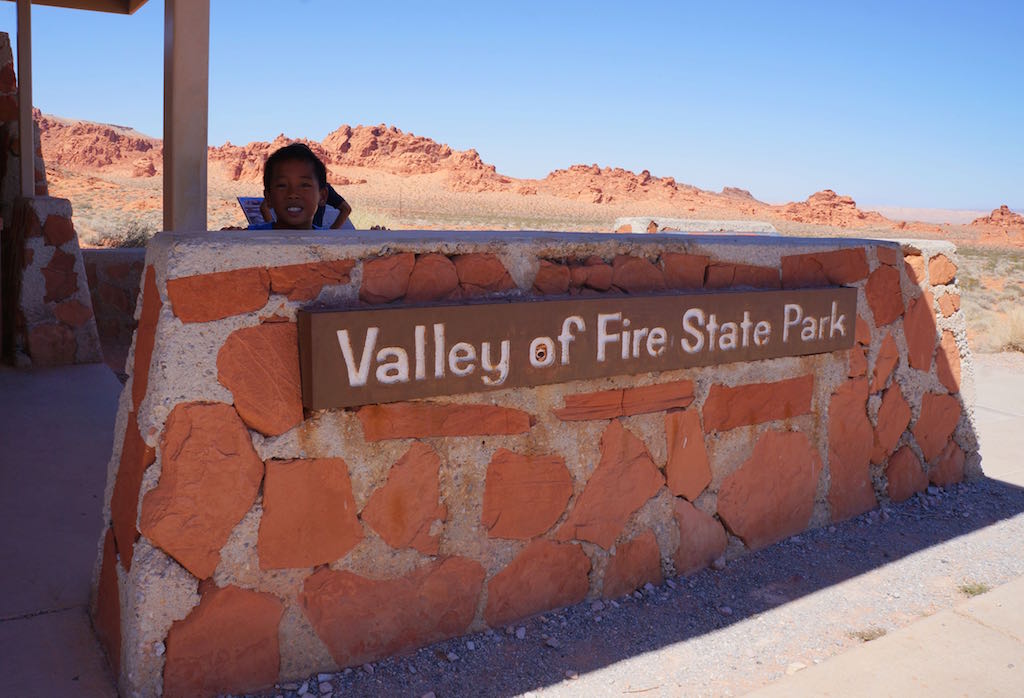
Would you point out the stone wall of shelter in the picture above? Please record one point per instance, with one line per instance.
(114, 277)
(249, 541)
(45, 287)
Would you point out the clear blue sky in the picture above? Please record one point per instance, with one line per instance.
(898, 103)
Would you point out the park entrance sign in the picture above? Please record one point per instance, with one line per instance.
(360, 357)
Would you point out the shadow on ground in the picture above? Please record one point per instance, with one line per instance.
(586, 637)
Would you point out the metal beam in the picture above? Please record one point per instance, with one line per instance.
(186, 111)
(25, 128)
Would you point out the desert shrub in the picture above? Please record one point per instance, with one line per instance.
(135, 234)
(1011, 331)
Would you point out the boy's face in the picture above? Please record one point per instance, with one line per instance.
(295, 194)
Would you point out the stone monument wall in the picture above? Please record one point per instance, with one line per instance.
(250, 541)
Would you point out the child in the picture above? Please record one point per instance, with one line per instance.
(294, 188)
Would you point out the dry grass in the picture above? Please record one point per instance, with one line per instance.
(868, 634)
(992, 288)
(973, 588)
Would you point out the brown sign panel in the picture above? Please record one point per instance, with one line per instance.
(366, 356)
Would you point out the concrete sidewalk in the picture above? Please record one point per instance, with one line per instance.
(56, 428)
(975, 649)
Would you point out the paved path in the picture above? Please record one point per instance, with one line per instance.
(56, 428)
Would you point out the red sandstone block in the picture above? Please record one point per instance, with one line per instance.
(905, 475)
(635, 563)
(145, 336)
(884, 295)
(625, 478)
(227, 644)
(543, 576)
(52, 344)
(771, 496)
(208, 297)
(921, 332)
(858, 362)
(949, 468)
(914, 266)
(817, 269)
(687, 470)
(728, 408)
(136, 456)
(892, 256)
(862, 332)
(885, 362)
(849, 447)
(949, 303)
(941, 270)
(893, 419)
(433, 278)
(608, 404)
(362, 620)
(636, 275)
(551, 279)
(72, 313)
(309, 514)
(594, 274)
(684, 271)
(416, 420)
(938, 418)
(106, 617)
(701, 538)
(386, 278)
(405, 508)
(260, 366)
(209, 480)
(303, 282)
(60, 276)
(481, 273)
(57, 230)
(114, 298)
(524, 495)
(947, 363)
(726, 275)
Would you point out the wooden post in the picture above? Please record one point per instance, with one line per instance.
(186, 106)
(25, 127)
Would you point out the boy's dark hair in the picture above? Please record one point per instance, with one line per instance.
(294, 151)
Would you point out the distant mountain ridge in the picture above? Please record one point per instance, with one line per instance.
(88, 147)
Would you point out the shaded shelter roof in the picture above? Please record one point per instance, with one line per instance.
(122, 7)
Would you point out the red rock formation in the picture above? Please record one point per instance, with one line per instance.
(1000, 226)
(828, 208)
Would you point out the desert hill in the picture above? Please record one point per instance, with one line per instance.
(402, 180)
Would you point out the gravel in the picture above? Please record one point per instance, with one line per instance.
(728, 630)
